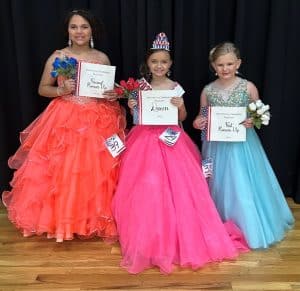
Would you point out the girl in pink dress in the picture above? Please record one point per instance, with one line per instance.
(162, 206)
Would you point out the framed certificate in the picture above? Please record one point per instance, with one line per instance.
(155, 107)
(93, 79)
(224, 124)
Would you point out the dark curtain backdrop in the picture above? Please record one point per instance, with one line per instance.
(266, 31)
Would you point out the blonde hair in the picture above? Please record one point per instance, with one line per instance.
(223, 49)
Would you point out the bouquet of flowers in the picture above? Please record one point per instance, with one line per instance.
(127, 89)
(259, 112)
(64, 67)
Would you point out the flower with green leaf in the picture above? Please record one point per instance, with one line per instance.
(127, 89)
(65, 67)
(259, 112)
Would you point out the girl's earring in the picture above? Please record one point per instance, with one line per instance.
(91, 42)
(169, 73)
(216, 74)
(69, 42)
(149, 76)
(237, 72)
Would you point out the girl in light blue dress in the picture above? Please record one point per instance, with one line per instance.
(243, 184)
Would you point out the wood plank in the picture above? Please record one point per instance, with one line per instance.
(37, 263)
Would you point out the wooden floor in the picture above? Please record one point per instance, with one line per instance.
(37, 263)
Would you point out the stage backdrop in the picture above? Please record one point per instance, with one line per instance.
(267, 33)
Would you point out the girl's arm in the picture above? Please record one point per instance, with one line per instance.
(252, 91)
(48, 87)
(179, 103)
(200, 120)
(131, 103)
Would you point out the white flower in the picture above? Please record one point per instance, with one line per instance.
(252, 106)
(263, 109)
(259, 112)
(265, 117)
(259, 103)
(265, 122)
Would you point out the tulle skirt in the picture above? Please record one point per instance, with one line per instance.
(164, 213)
(65, 176)
(246, 191)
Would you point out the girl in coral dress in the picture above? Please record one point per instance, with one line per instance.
(65, 176)
(162, 205)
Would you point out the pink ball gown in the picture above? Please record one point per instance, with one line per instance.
(163, 209)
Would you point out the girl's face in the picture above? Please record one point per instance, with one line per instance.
(79, 30)
(226, 66)
(159, 63)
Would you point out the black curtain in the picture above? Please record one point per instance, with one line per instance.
(266, 31)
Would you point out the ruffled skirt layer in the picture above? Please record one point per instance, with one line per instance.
(65, 176)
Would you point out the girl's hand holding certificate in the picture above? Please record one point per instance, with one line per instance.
(200, 122)
(110, 95)
(177, 101)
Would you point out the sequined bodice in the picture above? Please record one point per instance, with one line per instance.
(74, 98)
(235, 96)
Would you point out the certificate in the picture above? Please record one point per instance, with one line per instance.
(155, 107)
(93, 79)
(224, 124)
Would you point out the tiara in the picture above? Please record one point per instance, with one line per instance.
(161, 42)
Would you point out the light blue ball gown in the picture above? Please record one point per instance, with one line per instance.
(244, 186)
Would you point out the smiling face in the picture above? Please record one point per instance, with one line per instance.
(79, 30)
(159, 63)
(226, 66)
